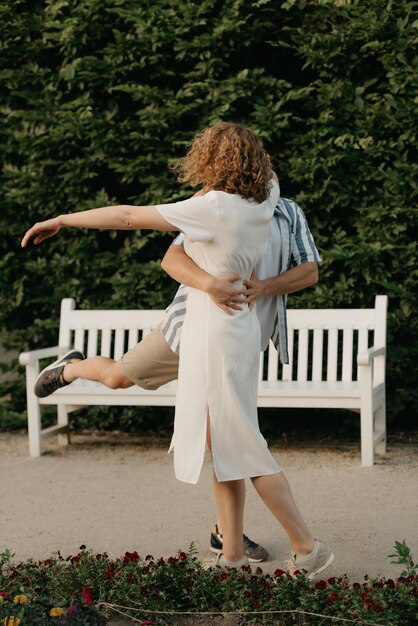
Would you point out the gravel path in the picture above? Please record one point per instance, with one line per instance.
(115, 493)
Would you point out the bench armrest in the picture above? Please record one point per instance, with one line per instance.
(28, 358)
(365, 358)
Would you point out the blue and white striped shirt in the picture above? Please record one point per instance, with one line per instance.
(290, 243)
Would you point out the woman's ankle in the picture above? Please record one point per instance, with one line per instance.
(233, 562)
(234, 555)
(303, 548)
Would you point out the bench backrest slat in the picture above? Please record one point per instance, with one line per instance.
(332, 355)
(92, 342)
(303, 355)
(79, 339)
(347, 372)
(317, 355)
(119, 343)
(106, 340)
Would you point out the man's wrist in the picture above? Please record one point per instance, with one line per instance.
(270, 287)
(207, 282)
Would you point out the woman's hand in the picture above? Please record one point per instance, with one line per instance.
(41, 231)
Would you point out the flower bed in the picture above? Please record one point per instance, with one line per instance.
(87, 588)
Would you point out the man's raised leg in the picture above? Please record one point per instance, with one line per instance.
(98, 368)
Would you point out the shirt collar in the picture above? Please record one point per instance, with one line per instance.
(281, 210)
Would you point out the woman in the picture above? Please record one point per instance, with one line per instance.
(226, 228)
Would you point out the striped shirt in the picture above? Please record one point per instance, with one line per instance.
(290, 243)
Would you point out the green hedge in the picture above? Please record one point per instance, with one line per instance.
(97, 97)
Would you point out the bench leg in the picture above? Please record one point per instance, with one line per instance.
(34, 412)
(367, 444)
(380, 426)
(62, 413)
(366, 417)
(34, 429)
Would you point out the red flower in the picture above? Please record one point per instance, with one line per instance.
(321, 584)
(74, 559)
(130, 557)
(332, 597)
(182, 556)
(279, 572)
(86, 593)
(256, 605)
(224, 575)
(146, 622)
(110, 572)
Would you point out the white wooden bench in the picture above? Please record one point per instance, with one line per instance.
(337, 360)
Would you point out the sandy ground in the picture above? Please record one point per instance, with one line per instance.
(117, 493)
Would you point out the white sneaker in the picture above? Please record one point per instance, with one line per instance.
(314, 563)
(221, 561)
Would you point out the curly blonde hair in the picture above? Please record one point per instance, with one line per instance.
(227, 157)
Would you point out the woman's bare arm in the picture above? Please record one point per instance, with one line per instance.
(120, 217)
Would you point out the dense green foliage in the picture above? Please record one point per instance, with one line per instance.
(98, 96)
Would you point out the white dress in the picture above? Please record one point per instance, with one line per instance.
(219, 354)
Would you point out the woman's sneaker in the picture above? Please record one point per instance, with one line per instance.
(252, 550)
(222, 561)
(314, 563)
(51, 378)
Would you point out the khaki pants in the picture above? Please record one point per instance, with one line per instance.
(151, 363)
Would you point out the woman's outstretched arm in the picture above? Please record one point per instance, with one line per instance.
(120, 217)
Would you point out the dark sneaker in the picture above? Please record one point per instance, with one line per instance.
(51, 378)
(312, 564)
(252, 550)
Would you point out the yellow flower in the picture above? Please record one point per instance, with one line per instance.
(1, 599)
(20, 599)
(11, 621)
(56, 612)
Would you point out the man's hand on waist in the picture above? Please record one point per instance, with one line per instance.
(221, 290)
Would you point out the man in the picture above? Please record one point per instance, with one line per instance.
(289, 264)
